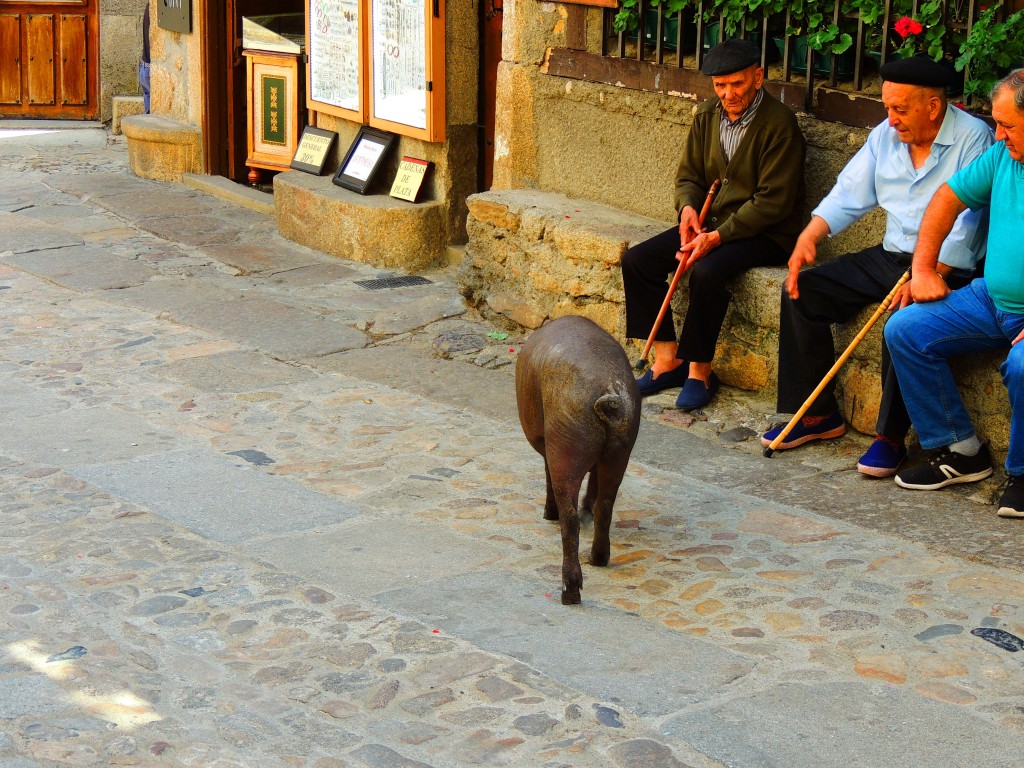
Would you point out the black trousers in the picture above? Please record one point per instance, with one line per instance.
(647, 270)
(834, 293)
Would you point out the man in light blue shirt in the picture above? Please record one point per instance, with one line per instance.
(988, 314)
(923, 142)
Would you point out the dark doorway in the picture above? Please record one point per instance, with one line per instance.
(490, 56)
(226, 123)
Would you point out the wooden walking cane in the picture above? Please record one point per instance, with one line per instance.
(675, 280)
(835, 368)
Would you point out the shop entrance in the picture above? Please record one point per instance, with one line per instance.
(49, 59)
(225, 126)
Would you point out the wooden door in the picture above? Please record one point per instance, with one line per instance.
(49, 59)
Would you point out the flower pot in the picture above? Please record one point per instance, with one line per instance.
(711, 31)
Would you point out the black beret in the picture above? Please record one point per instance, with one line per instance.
(731, 56)
(917, 70)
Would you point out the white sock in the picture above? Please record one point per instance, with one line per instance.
(968, 447)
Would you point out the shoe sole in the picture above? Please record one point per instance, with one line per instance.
(972, 478)
(864, 469)
(837, 432)
(1017, 514)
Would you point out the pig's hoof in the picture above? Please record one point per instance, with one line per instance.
(550, 514)
(570, 597)
(600, 559)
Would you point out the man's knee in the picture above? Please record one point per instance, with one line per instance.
(898, 332)
(1012, 368)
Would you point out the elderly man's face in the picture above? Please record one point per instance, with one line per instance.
(737, 91)
(915, 112)
(1009, 123)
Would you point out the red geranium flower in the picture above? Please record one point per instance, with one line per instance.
(907, 26)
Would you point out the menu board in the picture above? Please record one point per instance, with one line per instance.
(400, 61)
(334, 54)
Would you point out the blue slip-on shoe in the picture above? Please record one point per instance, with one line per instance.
(883, 458)
(804, 432)
(696, 394)
(648, 385)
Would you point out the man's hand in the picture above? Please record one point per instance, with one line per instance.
(1019, 337)
(699, 247)
(804, 253)
(901, 298)
(927, 285)
(689, 225)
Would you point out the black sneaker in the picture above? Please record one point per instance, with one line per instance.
(945, 467)
(1011, 503)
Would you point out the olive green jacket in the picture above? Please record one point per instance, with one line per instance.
(762, 189)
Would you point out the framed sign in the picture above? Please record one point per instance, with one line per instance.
(314, 146)
(334, 70)
(409, 179)
(273, 105)
(363, 159)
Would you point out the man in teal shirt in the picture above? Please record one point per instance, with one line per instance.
(987, 314)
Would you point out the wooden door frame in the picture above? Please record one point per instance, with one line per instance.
(214, 122)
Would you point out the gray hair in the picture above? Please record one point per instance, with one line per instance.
(1015, 83)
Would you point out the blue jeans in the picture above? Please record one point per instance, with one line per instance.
(922, 337)
(144, 84)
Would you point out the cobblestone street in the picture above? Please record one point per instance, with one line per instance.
(256, 514)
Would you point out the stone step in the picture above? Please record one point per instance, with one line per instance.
(161, 148)
(125, 106)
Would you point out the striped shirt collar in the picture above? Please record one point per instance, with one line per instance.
(732, 131)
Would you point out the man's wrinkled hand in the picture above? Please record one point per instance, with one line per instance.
(927, 286)
(699, 247)
(689, 225)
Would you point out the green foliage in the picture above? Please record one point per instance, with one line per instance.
(991, 49)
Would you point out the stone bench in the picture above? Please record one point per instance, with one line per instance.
(160, 148)
(534, 256)
(375, 229)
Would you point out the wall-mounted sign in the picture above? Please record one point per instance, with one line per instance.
(314, 146)
(409, 179)
(363, 159)
(174, 15)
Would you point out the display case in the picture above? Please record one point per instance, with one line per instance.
(273, 48)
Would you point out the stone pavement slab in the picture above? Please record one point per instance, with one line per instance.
(864, 725)
(346, 558)
(216, 497)
(83, 267)
(23, 234)
(604, 652)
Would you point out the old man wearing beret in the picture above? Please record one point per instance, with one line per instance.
(753, 145)
(904, 161)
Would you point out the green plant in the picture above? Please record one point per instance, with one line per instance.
(812, 18)
(991, 49)
(628, 17)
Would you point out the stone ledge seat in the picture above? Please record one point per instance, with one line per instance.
(534, 256)
(374, 229)
(122, 107)
(161, 148)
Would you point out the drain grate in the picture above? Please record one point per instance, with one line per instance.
(392, 282)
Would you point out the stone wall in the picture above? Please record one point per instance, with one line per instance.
(120, 50)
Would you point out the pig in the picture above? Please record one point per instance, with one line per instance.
(580, 409)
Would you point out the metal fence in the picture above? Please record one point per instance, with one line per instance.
(650, 33)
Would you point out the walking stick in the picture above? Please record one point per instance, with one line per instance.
(835, 368)
(675, 280)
